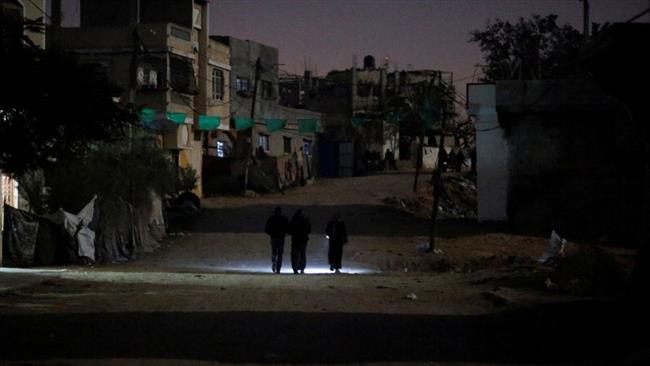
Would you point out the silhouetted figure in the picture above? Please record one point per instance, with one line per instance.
(460, 160)
(389, 160)
(444, 159)
(261, 154)
(452, 161)
(299, 227)
(338, 236)
(277, 226)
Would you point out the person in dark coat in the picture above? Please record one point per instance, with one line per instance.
(277, 227)
(299, 227)
(338, 236)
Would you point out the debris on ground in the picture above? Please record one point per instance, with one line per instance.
(587, 270)
(457, 198)
(555, 248)
(411, 296)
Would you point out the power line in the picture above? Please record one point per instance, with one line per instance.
(39, 8)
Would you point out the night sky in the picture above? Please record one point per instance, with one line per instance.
(425, 34)
(413, 34)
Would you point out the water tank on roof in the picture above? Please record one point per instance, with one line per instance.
(368, 62)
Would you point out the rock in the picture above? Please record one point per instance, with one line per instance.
(411, 296)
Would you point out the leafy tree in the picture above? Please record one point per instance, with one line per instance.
(113, 170)
(534, 49)
(51, 108)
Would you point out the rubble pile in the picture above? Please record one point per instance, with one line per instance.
(457, 199)
(587, 270)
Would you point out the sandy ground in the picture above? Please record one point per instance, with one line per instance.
(208, 295)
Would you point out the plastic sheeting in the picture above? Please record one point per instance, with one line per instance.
(103, 231)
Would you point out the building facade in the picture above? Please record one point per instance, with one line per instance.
(160, 54)
(356, 102)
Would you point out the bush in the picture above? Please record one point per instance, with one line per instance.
(113, 170)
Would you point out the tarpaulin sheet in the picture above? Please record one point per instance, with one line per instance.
(19, 237)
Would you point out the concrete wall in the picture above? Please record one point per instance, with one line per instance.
(491, 152)
(276, 141)
(572, 164)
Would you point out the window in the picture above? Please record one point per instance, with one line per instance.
(242, 84)
(287, 144)
(181, 33)
(217, 84)
(182, 74)
(306, 147)
(147, 77)
(221, 149)
(263, 142)
(267, 89)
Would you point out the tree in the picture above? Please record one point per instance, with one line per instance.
(533, 49)
(113, 171)
(51, 108)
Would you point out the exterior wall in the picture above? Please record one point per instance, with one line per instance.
(491, 153)
(276, 141)
(34, 10)
(571, 165)
(219, 58)
(243, 54)
(176, 34)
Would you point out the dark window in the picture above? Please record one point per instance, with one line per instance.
(267, 89)
(181, 34)
(287, 144)
(217, 84)
(182, 75)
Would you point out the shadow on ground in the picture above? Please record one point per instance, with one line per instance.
(369, 220)
(556, 333)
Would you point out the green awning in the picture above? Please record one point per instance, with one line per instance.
(243, 123)
(308, 125)
(176, 117)
(356, 121)
(147, 115)
(208, 123)
(273, 124)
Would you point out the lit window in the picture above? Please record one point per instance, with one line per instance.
(264, 142)
(242, 84)
(221, 149)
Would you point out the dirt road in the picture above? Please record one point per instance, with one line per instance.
(208, 296)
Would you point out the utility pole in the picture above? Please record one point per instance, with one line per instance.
(437, 187)
(249, 149)
(585, 20)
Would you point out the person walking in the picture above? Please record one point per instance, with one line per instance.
(337, 234)
(300, 228)
(276, 227)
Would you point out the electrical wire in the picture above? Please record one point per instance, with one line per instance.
(39, 9)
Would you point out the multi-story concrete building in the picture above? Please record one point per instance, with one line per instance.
(160, 53)
(355, 103)
(244, 55)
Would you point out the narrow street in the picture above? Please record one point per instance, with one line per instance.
(208, 296)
